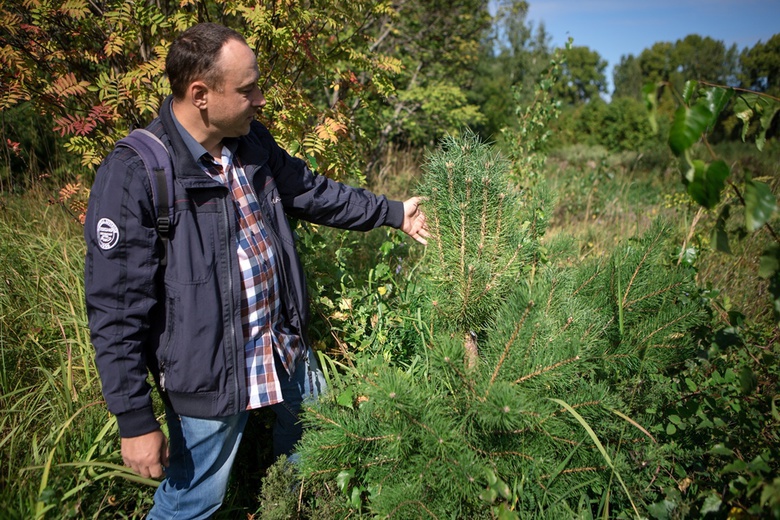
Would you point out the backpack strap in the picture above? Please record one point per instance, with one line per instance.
(159, 168)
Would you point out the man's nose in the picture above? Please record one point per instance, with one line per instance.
(259, 100)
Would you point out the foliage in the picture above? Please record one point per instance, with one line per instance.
(483, 237)
(527, 140)
(511, 60)
(436, 46)
(725, 425)
(95, 68)
(58, 458)
(697, 57)
(760, 66)
(627, 78)
(619, 125)
(32, 154)
(701, 107)
(363, 291)
(452, 438)
(582, 76)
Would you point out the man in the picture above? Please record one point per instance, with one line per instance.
(221, 327)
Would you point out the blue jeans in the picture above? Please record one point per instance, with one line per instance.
(202, 453)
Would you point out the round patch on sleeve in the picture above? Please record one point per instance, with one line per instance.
(108, 233)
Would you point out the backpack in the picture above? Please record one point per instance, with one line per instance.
(159, 168)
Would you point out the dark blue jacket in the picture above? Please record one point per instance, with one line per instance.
(184, 320)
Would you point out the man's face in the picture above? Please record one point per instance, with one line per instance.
(233, 105)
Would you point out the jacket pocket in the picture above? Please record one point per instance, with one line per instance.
(191, 354)
(192, 248)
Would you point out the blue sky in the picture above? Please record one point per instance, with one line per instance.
(620, 27)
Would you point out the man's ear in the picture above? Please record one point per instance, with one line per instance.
(199, 93)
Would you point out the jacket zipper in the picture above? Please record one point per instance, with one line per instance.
(231, 325)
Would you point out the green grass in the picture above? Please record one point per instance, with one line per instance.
(54, 430)
(604, 198)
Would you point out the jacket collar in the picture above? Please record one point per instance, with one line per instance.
(185, 167)
(252, 150)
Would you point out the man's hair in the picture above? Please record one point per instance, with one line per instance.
(193, 56)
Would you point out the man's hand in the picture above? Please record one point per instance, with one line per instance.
(146, 454)
(414, 221)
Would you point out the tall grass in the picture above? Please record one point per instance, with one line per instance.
(605, 197)
(54, 441)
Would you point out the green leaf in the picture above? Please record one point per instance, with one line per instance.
(504, 513)
(770, 262)
(748, 381)
(343, 479)
(743, 109)
(720, 449)
(720, 238)
(711, 504)
(717, 98)
(671, 429)
(697, 169)
(489, 495)
(356, 499)
(688, 256)
(503, 490)
(346, 399)
(735, 467)
(313, 162)
(766, 121)
(708, 183)
(491, 477)
(688, 126)
(689, 90)
(760, 204)
(661, 510)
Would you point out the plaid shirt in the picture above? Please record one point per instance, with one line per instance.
(261, 306)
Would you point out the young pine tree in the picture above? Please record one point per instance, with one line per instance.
(543, 417)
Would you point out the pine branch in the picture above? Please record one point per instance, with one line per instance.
(586, 282)
(345, 430)
(484, 218)
(437, 236)
(563, 410)
(509, 344)
(656, 293)
(656, 239)
(576, 470)
(493, 454)
(547, 369)
(667, 325)
(380, 462)
(411, 502)
(499, 222)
